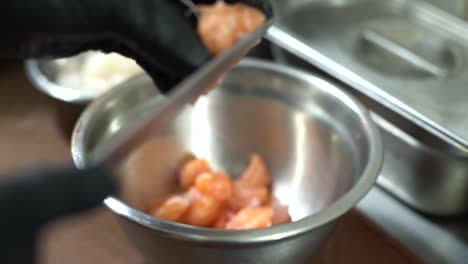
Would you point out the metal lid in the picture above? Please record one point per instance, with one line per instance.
(404, 54)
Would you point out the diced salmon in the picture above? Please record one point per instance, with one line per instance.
(250, 218)
(203, 210)
(256, 175)
(223, 218)
(191, 170)
(243, 196)
(221, 25)
(218, 185)
(213, 199)
(172, 209)
(280, 212)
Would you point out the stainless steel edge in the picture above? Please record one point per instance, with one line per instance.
(428, 179)
(335, 210)
(435, 241)
(358, 76)
(114, 150)
(291, 44)
(43, 84)
(418, 168)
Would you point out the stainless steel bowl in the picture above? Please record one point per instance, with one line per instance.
(320, 144)
(44, 72)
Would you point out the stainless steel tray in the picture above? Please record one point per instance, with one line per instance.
(423, 176)
(397, 58)
(404, 54)
(419, 168)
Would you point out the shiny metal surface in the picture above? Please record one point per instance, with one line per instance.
(405, 54)
(427, 178)
(434, 240)
(42, 72)
(156, 118)
(433, 169)
(455, 7)
(419, 168)
(322, 148)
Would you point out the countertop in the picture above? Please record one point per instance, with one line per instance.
(35, 131)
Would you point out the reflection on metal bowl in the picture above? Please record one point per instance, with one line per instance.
(323, 150)
(81, 78)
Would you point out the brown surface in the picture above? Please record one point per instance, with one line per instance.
(357, 240)
(35, 130)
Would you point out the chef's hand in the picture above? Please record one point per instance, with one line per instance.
(33, 198)
(158, 34)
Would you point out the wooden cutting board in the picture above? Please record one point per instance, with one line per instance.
(35, 130)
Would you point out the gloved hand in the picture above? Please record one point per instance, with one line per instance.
(159, 34)
(156, 33)
(35, 197)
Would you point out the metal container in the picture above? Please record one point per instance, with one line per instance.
(424, 176)
(454, 7)
(409, 59)
(46, 75)
(320, 144)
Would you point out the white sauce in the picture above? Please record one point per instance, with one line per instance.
(95, 71)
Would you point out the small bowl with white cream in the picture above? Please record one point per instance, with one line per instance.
(81, 78)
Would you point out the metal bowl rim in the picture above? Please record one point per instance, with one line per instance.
(45, 85)
(278, 232)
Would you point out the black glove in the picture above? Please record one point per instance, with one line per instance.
(34, 198)
(159, 34)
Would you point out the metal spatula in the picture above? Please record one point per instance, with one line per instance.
(122, 143)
